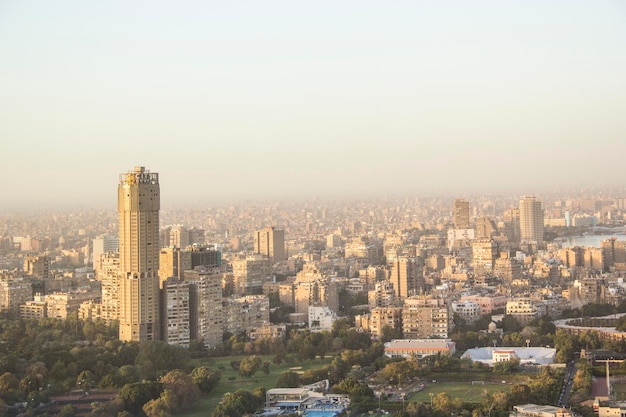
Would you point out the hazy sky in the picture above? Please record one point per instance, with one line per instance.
(233, 99)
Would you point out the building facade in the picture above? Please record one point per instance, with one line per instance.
(138, 211)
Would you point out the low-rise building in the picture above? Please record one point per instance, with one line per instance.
(419, 348)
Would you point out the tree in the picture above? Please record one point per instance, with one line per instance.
(182, 386)
(237, 404)
(135, 395)
(266, 368)
(442, 402)
(519, 394)
(164, 406)
(206, 378)
(288, 379)
(249, 366)
(68, 410)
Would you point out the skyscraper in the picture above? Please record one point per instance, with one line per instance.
(531, 220)
(461, 214)
(138, 211)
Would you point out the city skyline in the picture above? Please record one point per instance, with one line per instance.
(281, 100)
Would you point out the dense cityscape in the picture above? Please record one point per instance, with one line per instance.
(381, 299)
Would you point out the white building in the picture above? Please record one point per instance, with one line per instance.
(467, 310)
(321, 318)
(526, 355)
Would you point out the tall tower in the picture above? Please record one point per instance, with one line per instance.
(531, 220)
(138, 211)
(271, 243)
(461, 214)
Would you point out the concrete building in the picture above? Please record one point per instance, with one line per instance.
(245, 313)
(270, 242)
(381, 317)
(108, 275)
(313, 288)
(206, 313)
(101, 245)
(484, 255)
(467, 310)
(37, 266)
(407, 276)
(138, 209)
(419, 348)
(526, 355)
(488, 303)
(250, 273)
(174, 261)
(531, 220)
(175, 310)
(461, 214)
(383, 295)
(321, 317)
(523, 309)
(424, 317)
(35, 309)
(14, 291)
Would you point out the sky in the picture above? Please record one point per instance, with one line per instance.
(279, 99)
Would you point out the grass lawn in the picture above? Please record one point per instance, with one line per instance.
(231, 380)
(465, 391)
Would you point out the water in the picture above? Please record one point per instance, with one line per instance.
(316, 413)
(587, 240)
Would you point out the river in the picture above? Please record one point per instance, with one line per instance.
(586, 240)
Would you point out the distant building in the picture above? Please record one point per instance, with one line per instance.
(37, 266)
(270, 242)
(14, 291)
(467, 310)
(531, 220)
(461, 214)
(526, 355)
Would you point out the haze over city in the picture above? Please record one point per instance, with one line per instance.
(331, 99)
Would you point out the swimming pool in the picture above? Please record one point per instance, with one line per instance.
(319, 413)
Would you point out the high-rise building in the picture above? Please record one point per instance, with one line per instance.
(407, 276)
(100, 245)
(461, 214)
(138, 212)
(484, 255)
(271, 243)
(205, 306)
(531, 220)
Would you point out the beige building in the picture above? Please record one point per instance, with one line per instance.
(523, 309)
(246, 313)
(270, 242)
(35, 309)
(419, 348)
(381, 317)
(461, 214)
(173, 261)
(109, 278)
(138, 210)
(531, 220)
(175, 320)
(37, 266)
(424, 317)
(484, 255)
(383, 295)
(206, 313)
(14, 292)
(314, 288)
(250, 273)
(407, 276)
